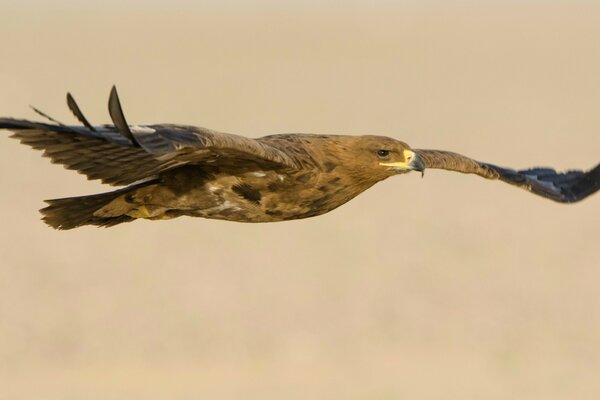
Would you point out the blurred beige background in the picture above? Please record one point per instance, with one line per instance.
(443, 287)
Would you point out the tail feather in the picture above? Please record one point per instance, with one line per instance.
(72, 212)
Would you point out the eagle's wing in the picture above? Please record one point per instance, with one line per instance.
(121, 154)
(563, 187)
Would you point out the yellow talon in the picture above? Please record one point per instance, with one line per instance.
(161, 216)
(139, 212)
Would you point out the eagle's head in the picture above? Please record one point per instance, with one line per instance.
(381, 156)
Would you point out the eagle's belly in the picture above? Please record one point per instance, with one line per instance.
(256, 196)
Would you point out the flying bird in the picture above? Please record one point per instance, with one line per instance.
(173, 170)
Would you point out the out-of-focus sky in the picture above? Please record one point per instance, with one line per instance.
(448, 286)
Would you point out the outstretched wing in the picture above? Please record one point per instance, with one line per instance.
(121, 154)
(563, 187)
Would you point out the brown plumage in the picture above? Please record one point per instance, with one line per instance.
(175, 170)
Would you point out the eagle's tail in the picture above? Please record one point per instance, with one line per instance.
(71, 212)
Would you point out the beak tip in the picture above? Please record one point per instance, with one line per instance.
(417, 164)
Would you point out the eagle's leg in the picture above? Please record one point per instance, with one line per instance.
(148, 202)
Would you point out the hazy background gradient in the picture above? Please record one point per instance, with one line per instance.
(444, 287)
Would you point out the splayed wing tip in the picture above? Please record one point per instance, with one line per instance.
(72, 104)
(43, 114)
(116, 114)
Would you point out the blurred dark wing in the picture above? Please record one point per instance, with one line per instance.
(121, 154)
(563, 187)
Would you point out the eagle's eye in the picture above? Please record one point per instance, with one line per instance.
(383, 153)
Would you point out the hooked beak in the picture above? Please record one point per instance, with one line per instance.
(412, 162)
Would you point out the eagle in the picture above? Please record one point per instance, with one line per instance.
(170, 170)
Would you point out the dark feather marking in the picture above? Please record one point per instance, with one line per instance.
(320, 203)
(227, 212)
(329, 166)
(274, 186)
(304, 177)
(274, 213)
(247, 192)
